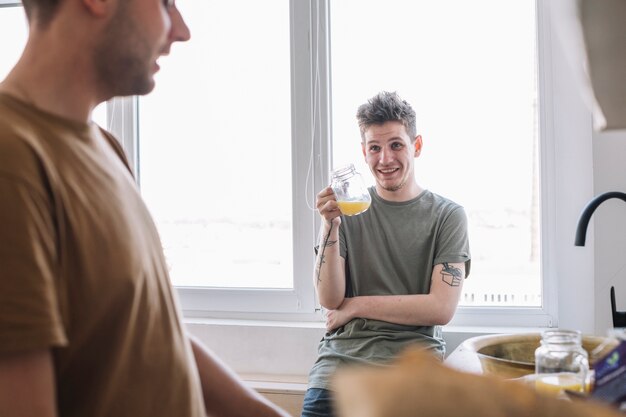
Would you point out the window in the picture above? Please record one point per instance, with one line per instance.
(237, 139)
(224, 210)
(475, 96)
(223, 173)
(219, 165)
(12, 26)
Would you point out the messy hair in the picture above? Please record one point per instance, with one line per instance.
(40, 11)
(386, 107)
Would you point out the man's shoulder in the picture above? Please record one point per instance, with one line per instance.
(21, 152)
(438, 201)
(17, 123)
(14, 144)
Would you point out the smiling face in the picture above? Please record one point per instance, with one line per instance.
(390, 153)
(139, 32)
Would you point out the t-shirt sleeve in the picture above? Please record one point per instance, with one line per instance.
(29, 309)
(453, 241)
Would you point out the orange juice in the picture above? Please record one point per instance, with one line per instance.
(555, 384)
(350, 208)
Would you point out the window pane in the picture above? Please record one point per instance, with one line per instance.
(99, 115)
(13, 32)
(469, 70)
(215, 147)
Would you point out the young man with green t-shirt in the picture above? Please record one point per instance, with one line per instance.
(391, 275)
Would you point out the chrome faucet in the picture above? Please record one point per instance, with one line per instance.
(619, 317)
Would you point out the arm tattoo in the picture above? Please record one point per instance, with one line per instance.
(329, 243)
(318, 267)
(324, 245)
(451, 275)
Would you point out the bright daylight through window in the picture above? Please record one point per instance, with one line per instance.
(471, 78)
(216, 138)
(215, 148)
(12, 26)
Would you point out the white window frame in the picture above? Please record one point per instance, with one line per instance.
(311, 110)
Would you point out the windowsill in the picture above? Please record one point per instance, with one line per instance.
(285, 384)
(254, 323)
(320, 325)
(478, 330)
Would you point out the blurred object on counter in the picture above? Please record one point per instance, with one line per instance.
(610, 373)
(513, 355)
(419, 384)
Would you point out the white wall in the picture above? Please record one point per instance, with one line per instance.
(609, 222)
(606, 238)
(584, 303)
(257, 347)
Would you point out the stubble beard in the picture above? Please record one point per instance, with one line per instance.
(123, 58)
(395, 187)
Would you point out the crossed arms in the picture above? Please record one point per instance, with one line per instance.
(435, 308)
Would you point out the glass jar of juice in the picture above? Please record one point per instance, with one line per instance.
(350, 191)
(561, 363)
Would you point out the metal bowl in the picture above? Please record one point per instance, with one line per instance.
(513, 355)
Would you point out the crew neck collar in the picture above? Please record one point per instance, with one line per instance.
(81, 127)
(375, 195)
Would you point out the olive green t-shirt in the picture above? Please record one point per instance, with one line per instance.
(82, 272)
(391, 249)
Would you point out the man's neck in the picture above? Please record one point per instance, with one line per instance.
(56, 81)
(407, 192)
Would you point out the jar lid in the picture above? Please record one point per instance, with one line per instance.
(561, 336)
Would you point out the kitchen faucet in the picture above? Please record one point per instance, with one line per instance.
(585, 216)
(619, 317)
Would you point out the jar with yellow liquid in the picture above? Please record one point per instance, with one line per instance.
(561, 363)
(350, 191)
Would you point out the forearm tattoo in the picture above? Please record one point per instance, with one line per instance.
(451, 275)
(318, 267)
(328, 243)
(325, 243)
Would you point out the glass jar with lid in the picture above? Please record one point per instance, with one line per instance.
(350, 190)
(561, 363)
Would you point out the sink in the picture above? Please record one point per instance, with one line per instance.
(513, 355)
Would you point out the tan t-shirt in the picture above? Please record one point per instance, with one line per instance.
(82, 272)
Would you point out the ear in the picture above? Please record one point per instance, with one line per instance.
(99, 8)
(363, 149)
(418, 145)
